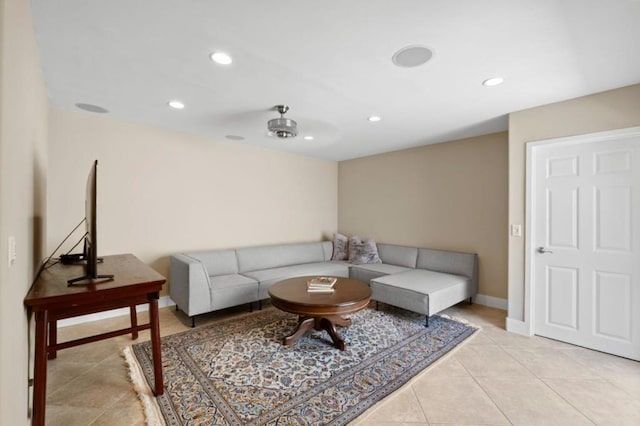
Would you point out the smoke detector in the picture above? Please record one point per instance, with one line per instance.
(282, 128)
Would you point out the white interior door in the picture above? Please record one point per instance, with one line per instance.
(585, 241)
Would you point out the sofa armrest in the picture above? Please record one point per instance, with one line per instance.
(189, 284)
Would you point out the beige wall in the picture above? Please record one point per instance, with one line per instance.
(23, 151)
(161, 192)
(610, 110)
(449, 196)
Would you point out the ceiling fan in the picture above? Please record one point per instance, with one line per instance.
(282, 128)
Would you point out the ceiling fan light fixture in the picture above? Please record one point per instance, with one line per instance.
(282, 128)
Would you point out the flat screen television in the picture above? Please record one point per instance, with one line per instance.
(90, 252)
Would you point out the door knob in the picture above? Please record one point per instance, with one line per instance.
(543, 250)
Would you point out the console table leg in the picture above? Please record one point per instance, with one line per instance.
(155, 344)
(40, 369)
(134, 321)
(53, 338)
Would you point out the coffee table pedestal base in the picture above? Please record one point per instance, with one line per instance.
(319, 323)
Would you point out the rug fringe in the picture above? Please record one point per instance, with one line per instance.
(460, 320)
(152, 413)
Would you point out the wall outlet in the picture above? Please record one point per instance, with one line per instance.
(11, 251)
(516, 230)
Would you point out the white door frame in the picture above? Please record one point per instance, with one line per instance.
(529, 258)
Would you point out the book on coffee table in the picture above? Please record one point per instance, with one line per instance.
(321, 284)
(320, 290)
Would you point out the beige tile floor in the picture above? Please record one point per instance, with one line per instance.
(497, 378)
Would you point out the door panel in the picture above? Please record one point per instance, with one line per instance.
(562, 297)
(585, 242)
(613, 218)
(612, 306)
(562, 213)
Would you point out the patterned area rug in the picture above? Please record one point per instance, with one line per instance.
(237, 372)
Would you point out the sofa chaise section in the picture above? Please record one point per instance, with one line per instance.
(441, 279)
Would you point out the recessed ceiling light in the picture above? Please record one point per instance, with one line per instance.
(494, 81)
(235, 137)
(176, 104)
(221, 58)
(92, 108)
(412, 56)
(374, 118)
(308, 138)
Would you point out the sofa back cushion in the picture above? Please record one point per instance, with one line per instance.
(398, 255)
(450, 262)
(267, 257)
(217, 262)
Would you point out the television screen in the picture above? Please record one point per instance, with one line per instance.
(91, 236)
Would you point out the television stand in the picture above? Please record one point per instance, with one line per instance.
(77, 281)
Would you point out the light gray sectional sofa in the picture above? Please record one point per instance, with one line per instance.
(421, 280)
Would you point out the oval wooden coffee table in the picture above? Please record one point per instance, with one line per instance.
(320, 311)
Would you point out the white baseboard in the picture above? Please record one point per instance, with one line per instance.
(518, 327)
(163, 302)
(490, 301)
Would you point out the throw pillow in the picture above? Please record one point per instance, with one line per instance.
(340, 243)
(354, 242)
(361, 252)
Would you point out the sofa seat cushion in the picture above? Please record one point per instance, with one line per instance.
(268, 277)
(422, 291)
(231, 290)
(231, 281)
(370, 271)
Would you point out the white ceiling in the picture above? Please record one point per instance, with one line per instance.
(330, 61)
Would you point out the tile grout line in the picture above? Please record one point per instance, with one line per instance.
(597, 371)
(546, 384)
(485, 391)
(419, 404)
(565, 400)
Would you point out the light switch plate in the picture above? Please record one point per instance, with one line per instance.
(516, 230)
(11, 250)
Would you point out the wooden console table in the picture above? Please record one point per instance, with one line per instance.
(50, 299)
